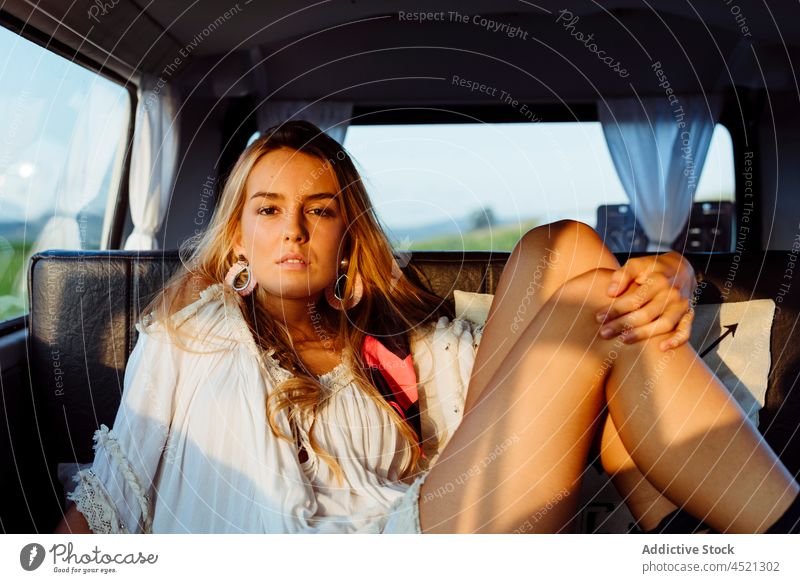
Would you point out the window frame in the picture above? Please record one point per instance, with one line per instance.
(121, 199)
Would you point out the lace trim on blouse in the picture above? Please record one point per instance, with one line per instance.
(93, 501)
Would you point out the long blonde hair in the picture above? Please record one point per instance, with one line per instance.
(390, 306)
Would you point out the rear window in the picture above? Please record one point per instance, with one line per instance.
(481, 186)
(63, 131)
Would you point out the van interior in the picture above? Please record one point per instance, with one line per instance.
(663, 125)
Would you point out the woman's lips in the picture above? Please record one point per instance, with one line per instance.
(293, 261)
(293, 266)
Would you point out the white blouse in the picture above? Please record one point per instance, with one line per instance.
(191, 449)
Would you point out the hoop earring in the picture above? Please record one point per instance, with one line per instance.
(241, 266)
(334, 292)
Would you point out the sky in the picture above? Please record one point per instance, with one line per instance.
(520, 170)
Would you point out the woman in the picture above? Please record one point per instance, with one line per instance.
(251, 410)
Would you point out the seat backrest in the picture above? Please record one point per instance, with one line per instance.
(84, 305)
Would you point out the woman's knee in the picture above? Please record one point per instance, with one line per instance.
(588, 290)
(560, 234)
(647, 350)
(569, 244)
(587, 294)
(539, 254)
(574, 306)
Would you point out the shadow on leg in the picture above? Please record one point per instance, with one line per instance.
(543, 260)
(516, 460)
(692, 441)
(651, 510)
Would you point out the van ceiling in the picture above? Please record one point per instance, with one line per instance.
(365, 52)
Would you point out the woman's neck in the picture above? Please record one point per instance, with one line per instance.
(319, 349)
(300, 315)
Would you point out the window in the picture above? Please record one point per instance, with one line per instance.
(63, 130)
(481, 186)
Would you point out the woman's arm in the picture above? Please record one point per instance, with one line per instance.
(73, 523)
(113, 496)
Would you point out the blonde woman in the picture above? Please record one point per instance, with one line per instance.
(295, 379)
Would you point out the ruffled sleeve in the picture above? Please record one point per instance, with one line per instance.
(444, 354)
(116, 493)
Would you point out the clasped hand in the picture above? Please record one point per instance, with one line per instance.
(652, 296)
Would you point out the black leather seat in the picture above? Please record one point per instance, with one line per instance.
(84, 305)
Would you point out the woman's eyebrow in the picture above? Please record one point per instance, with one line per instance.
(279, 196)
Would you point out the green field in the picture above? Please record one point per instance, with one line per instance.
(502, 238)
(13, 266)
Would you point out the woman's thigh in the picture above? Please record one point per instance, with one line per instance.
(520, 452)
(541, 262)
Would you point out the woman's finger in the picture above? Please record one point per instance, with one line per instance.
(650, 312)
(667, 322)
(656, 279)
(622, 277)
(620, 280)
(667, 263)
(644, 315)
(643, 277)
(682, 334)
(633, 299)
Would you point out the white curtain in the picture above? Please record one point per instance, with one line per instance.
(93, 144)
(332, 117)
(659, 147)
(154, 161)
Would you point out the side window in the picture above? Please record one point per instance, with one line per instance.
(63, 131)
(481, 186)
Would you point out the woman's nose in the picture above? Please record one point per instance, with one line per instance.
(293, 236)
(294, 230)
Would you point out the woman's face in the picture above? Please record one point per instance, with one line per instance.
(291, 207)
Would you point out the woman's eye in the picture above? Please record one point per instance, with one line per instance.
(321, 212)
(266, 210)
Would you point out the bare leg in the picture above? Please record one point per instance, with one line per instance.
(542, 261)
(646, 503)
(692, 440)
(546, 399)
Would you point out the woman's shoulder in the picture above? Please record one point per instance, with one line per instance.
(205, 311)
